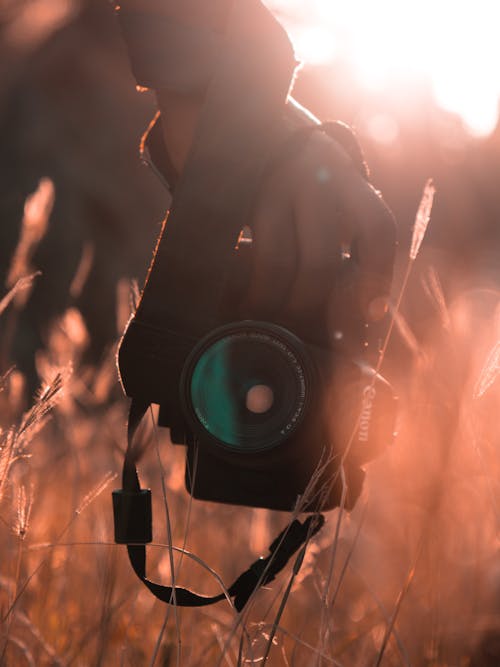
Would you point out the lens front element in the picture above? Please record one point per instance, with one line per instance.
(247, 386)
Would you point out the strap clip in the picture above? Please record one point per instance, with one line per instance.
(133, 516)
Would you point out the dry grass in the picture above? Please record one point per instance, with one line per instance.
(410, 577)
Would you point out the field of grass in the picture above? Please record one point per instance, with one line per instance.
(410, 577)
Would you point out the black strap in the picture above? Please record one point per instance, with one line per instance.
(260, 573)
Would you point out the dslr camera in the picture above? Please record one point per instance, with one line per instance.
(270, 410)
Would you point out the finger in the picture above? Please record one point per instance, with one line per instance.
(372, 226)
(274, 258)
(376, 248)
(317, 228)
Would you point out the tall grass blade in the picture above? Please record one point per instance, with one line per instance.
(489, 372)
(21, 284)
(422, 218)
(35, 222)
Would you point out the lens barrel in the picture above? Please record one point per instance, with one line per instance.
(246, 386)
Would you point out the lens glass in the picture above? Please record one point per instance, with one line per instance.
(248, 390)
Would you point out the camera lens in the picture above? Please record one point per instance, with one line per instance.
(246, 386)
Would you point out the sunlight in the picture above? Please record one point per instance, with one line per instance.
(452, 46)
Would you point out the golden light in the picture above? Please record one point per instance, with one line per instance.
(452, 46)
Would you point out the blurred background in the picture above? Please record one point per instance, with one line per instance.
(419, 82)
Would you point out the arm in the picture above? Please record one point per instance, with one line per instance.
(179, 114)
(301, 220)
(180, 111)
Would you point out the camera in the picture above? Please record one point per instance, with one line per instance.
(271, 408)
(267, 415)
(275, 410)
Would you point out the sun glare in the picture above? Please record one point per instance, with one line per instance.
(453, 46)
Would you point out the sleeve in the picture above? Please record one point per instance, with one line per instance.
(167, 54)
(179, 47)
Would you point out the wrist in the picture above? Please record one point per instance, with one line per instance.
(179, 118)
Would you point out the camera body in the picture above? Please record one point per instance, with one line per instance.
(288, 453)
(267, 418)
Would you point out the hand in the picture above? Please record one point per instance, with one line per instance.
(310, 207)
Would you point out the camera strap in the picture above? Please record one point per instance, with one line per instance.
(133, 527)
